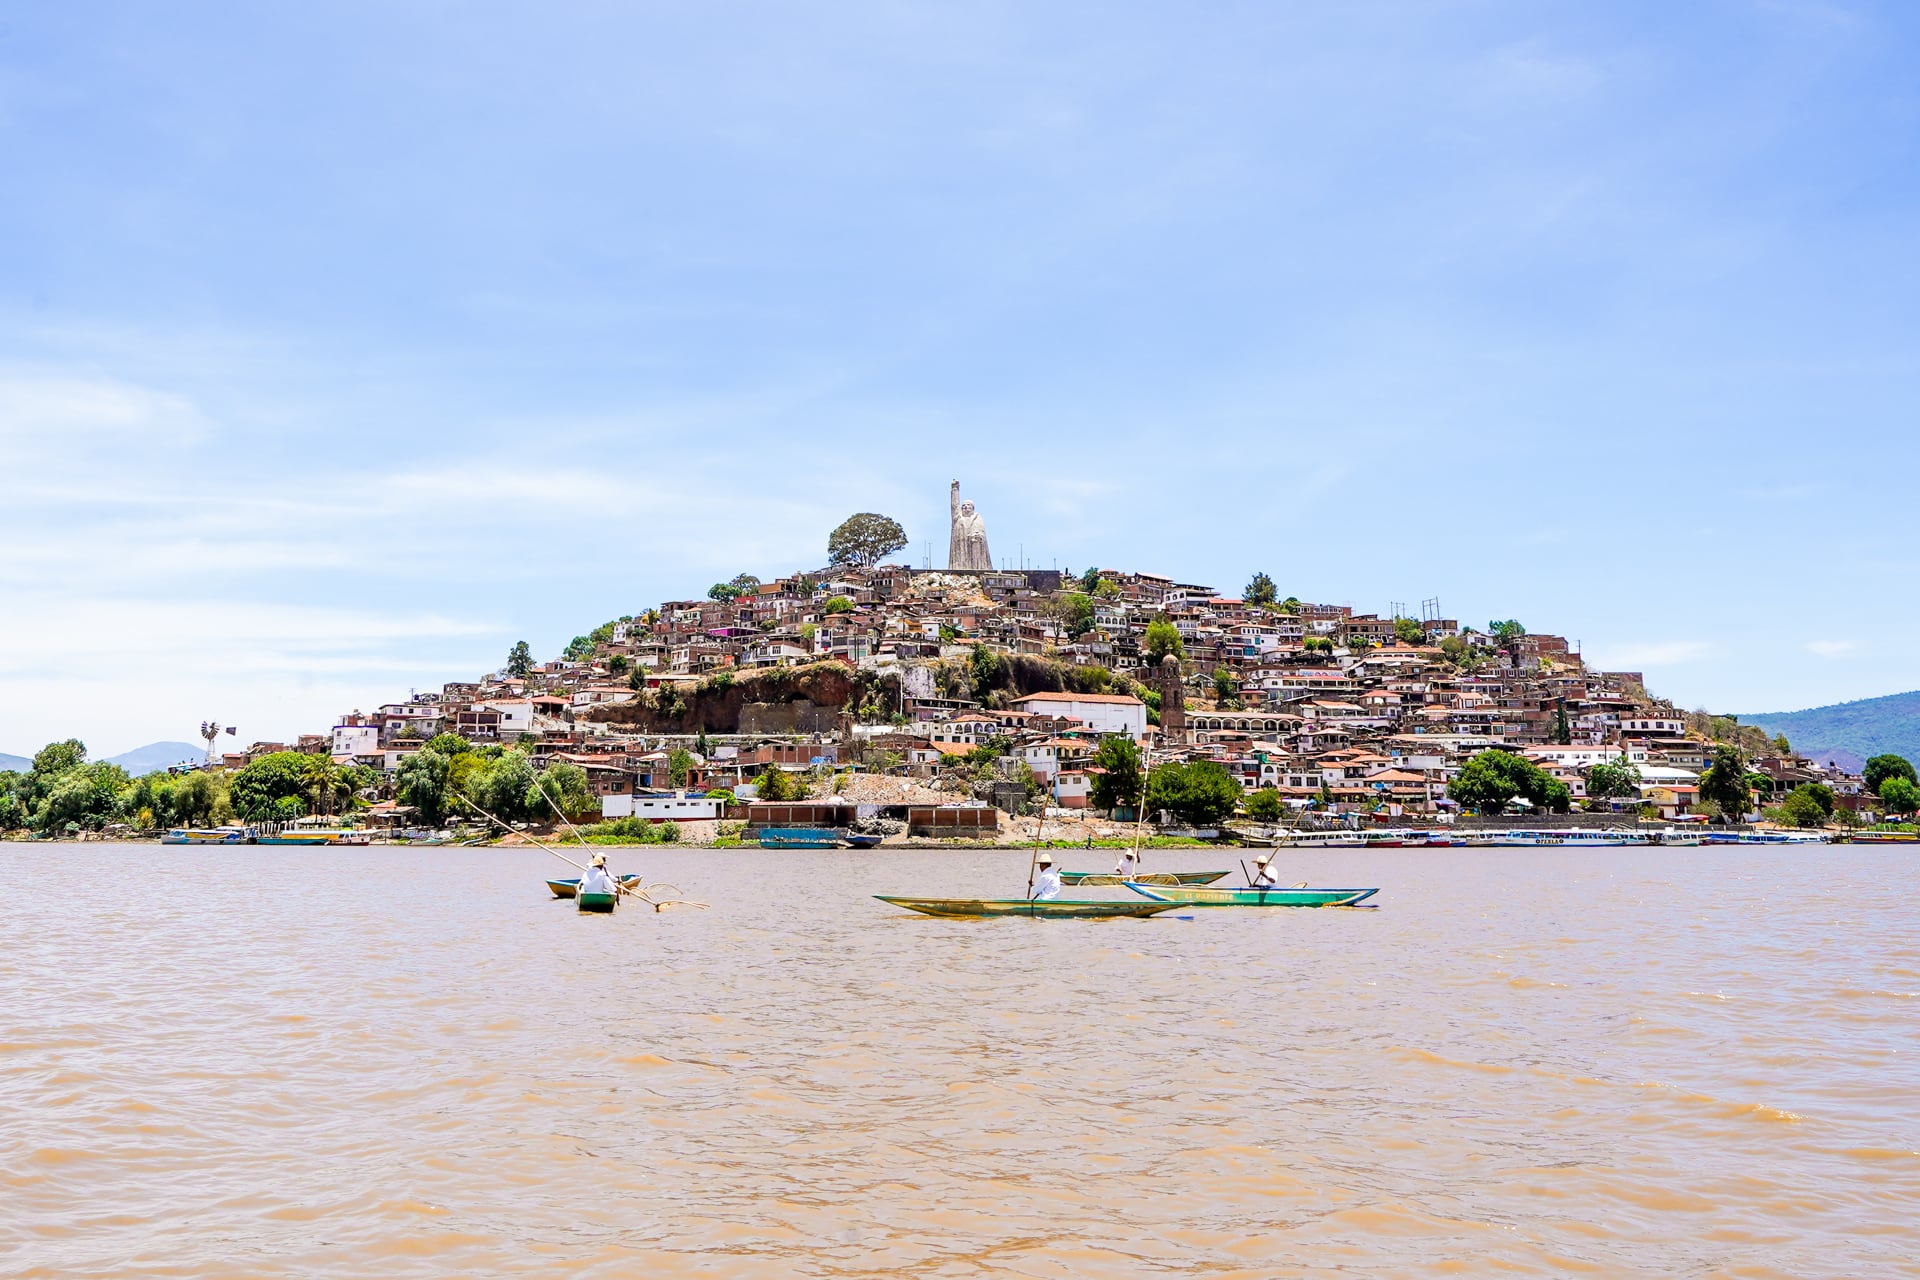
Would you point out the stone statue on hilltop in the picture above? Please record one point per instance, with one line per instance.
(967, 545)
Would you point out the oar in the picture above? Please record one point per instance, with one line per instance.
(1248, 874)
(1033, 863)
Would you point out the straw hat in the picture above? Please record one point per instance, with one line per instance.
(599, 859)
(1046, 859)
(1263, 860)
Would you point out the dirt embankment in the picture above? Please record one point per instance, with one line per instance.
(809, 699)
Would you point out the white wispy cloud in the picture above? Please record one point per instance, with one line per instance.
(1831, 648)
(1666, 653)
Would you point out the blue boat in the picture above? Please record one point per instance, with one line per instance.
(209, 835)
(799, 838)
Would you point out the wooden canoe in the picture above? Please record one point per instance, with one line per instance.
(602, 902)
(567, 888)
(1056, 909)
(1152, 877)
(1208, 897)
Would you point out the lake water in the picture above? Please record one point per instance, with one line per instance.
(290, 1062)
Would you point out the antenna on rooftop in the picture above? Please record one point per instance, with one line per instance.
(1430, 609)
(1397, 609)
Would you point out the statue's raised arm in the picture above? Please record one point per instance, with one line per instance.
(953, 499)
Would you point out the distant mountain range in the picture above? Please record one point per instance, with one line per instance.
(148, 759)
(1850, 732)
(158, 755)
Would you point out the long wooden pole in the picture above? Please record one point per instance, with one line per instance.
(555, 805)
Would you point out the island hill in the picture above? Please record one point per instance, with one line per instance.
(944, 699)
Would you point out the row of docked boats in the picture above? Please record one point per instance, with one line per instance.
(1523, 838)
(253, 835)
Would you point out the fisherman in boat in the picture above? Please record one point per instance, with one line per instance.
(596, 880)
(1264, 876)
(1046, 885)
(1129, 862)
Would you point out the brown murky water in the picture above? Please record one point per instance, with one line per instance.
(281, 1062)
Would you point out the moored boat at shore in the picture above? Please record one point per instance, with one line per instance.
(209, 835)
(799, 838)
(1207, 896)
(316, 835)
(1042, 909)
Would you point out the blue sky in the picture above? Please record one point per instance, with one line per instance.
(339, 349)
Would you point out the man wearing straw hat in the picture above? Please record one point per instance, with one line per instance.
(596, 879)
(1046, 885)
(1263, 874)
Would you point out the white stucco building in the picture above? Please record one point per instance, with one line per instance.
(1100, 712)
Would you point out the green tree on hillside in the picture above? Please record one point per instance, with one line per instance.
(1199, 793)
(1163, 638)
(837, 604)
(1494, 778)
(1725, 782)
(865, 540)
(1407, 631)
(775, 783)
(564, 784)
(1898, 795)
(723, 592)
(273, 788)
(1260, 590)
(1118, 782)
(1611, 780)
(1075, 611)
(1875, 772)
(520, 661)
(1265, 805)
(421, 781)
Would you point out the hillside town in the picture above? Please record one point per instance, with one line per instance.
(962, 702)
(996, 687)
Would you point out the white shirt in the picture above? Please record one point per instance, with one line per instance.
(1129, 863)
(1046, 885)
(1264, 878)
(596, 880)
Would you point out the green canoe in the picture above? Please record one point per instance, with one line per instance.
(1199, 897)
(596, 901)
(1055, 909)
(1151, 877)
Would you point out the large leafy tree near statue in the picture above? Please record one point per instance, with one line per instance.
(865, 540)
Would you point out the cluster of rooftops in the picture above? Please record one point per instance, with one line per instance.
(1318, 701)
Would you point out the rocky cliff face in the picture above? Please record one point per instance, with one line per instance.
(809, 699)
